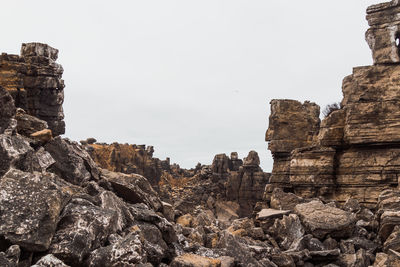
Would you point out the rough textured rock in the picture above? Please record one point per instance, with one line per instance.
(10, 258)
(82, 228)
(320, 219)
(34, 81)
(72, 162)
(27, 124)
(129, 159)
(384, 32)
(192, 260)
(30, 205)
(354, 152)
(133, 188)
(291, 125)
(49, 261)
(126, 252)
(247, 185)
(7, 109)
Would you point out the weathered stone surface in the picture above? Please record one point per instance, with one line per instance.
(27, 124)
(271, 213)
(30, 204)
(34, 81)
(284, 201)
(246, 186)
(82, 228)
(133, 188)
(49, 261)
(302, 121)
(72, 162)
(128, 251)
(381, 37)
(10, 258)
(226, 211)
(370, 98)
(13, 150)
(312, 171)
(128, 159)
(42, 136)
(332, 129)
(7, 109)
(287, 230)
(321, 220)
(192, 260)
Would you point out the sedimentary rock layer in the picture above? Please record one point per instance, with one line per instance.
(34, 81)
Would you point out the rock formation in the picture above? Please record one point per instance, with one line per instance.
(61, 207)
(34, 81)
(354, 153)
(127, 158)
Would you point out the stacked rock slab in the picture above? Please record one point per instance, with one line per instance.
(356, 149)
(34, 81)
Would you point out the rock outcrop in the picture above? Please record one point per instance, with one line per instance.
(128, 159)
(34, 81)
(355, 151)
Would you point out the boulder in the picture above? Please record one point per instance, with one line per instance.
(49, 261)
(133, 188)
(284, 201)
(10, 258)
(27, 124)
(82, 227)
(30, 207)
(42, 136)
(13, 152)
(321, 220)
(72, 162)
(287, 230)
(128, 251)
(226, 211)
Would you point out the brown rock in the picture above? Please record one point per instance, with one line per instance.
(192, 260)
(321, 220)
(42, 136)
(34, 81)
(382, 36)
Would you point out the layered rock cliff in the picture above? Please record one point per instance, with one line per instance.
(355, 150)
(33, 79)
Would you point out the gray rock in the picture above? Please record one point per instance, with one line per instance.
(30, 204)
(10, 258)
(27, 124)
(128, 251)
(49, 261)
(287, 230)
(72, 162)
(133, 188)
(320, 220)
(83, 227)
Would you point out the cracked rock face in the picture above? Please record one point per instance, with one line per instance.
(321, 220)
(72, 162)
(30, 204)
(34, 81)
(82, 228)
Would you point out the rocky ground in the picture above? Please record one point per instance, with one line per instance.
(59, 208)
(332, 198)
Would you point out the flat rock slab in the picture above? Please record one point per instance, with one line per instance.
(271, 213)
(321, 220)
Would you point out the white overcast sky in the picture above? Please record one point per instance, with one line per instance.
(192, 78)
